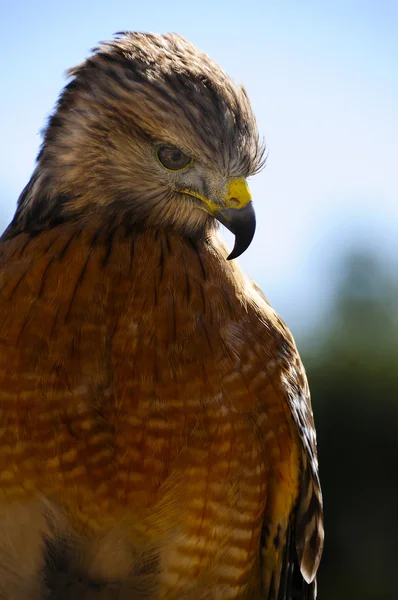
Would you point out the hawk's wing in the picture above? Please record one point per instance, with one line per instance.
(308, 518)
(304, 536)
(292, 584)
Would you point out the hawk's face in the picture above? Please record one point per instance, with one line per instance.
(151, 130)
(191, 193)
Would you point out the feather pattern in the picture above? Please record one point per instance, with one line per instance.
(156, 430)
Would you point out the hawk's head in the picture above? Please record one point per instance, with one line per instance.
(149, 131)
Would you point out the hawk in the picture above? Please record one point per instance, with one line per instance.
(156, 431)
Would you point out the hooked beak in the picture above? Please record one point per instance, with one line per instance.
(235, 212)
(242, 223)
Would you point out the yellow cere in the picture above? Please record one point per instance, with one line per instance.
(238, 196)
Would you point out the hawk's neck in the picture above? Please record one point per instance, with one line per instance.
(98, 273)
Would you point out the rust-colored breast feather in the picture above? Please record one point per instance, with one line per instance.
(143, 403)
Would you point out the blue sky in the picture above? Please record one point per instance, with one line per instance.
(323, 80)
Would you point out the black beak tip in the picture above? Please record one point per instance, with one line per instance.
(240, 246)
(235, 252)
(242, 223)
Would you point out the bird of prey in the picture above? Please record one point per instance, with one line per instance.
(156, 432)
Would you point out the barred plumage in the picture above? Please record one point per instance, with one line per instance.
(157, 438)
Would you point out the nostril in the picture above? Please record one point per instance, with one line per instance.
(234, 202)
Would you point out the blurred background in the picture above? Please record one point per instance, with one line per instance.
(323, 80)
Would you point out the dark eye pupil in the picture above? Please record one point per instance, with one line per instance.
(172, 158)
(176, 156)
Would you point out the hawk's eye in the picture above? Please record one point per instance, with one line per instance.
(173, 159)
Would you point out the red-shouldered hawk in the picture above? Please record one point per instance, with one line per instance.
(157, 438)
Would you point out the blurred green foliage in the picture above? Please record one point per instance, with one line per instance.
(352, 365)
